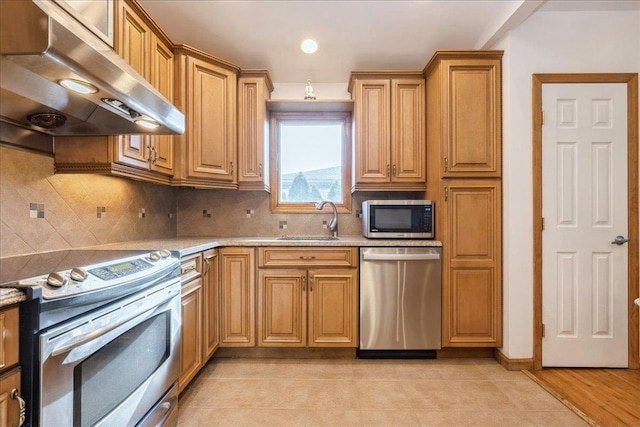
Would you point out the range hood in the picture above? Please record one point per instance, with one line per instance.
(40, 46)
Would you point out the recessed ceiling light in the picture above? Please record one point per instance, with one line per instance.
(78, 86)
(309, 46)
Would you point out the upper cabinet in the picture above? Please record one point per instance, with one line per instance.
(464, 113)
(152, 58)
(254, 89)
(147, 157)
(389, 118)
(206, 93)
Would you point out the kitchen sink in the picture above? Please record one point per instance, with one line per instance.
(306, 238)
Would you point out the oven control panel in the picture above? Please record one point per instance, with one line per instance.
(121, 269)
(80, 280)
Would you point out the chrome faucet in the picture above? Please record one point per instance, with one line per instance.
(333, 225)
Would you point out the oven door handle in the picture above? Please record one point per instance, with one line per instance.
(142, 313)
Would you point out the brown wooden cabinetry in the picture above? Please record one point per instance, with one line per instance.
(211, 296)
(9, 369)
(254, 89)
(141, 43)
(470, 225)
(206, 93)
(191, 354)
(464, 118)
(200, 306)
(314, 303)
(389, 116)
(463, 178)
(237, 297)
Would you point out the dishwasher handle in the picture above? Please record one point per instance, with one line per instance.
(400, 257)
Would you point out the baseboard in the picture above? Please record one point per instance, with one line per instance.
(512, 364)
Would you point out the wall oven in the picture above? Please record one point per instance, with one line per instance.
(100, 343)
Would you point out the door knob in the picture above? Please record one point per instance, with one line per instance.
(619, 240)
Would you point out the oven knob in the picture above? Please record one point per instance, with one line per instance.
(78, 274)
(155, 256)
(165, 253)
(56, 280)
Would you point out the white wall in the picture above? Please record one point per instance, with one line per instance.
(321, 90)
(548, 42)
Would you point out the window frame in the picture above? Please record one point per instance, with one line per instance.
(275, 119)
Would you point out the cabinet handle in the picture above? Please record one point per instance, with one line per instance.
(155, 155)
(307, 257)
(446, 193)
(304, 283)
(446, 164)
(187, 268)
(207, 265)
(311, 283)
(149, 150)
(231, 172)
(394, 170)
(21, 405)
(260, 169)
(388, 169)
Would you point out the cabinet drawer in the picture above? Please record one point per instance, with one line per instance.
(307, 256)
(190, 267)
(9, 337)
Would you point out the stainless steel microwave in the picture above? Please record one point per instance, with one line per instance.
(398, 219)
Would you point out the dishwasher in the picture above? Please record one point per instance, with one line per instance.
(400, 302)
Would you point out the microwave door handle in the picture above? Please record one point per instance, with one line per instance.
(400, 257)
(142, 313)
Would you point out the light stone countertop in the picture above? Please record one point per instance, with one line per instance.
(189, 245)
(10, 296)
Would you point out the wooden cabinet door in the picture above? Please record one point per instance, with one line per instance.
(472, 266)
(191, 343)
(253, 130)
(237, 296)
(9, 337)
(161, 77)
(132, 43)
(9, 407)
(282, 308)
(407, 130)
(472, 115)
(211, 299)
(333, 308)
(211, 121)
(373, 137)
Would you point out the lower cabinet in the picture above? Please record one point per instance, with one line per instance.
(237, 297)
(9, 370)
(314, 304)
(470, 223)
(200, 296)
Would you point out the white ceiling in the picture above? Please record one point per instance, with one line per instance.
(352, 35)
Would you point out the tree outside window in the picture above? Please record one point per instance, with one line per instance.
(312, 153)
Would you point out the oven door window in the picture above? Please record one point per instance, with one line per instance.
(109, 376)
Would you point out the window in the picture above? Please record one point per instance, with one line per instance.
(311, 157)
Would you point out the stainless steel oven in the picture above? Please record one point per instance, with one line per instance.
(101, 343)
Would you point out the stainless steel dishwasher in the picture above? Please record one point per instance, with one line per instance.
(400, 302)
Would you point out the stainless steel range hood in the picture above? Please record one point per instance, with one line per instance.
(40, 45)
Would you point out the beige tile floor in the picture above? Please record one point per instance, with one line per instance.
(327, 392)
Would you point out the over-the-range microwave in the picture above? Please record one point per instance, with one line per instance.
(398, 219)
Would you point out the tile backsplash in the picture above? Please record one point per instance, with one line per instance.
(41, 211)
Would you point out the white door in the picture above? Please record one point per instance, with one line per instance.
(584, 206)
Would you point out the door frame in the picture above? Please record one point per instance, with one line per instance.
(631, 80)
